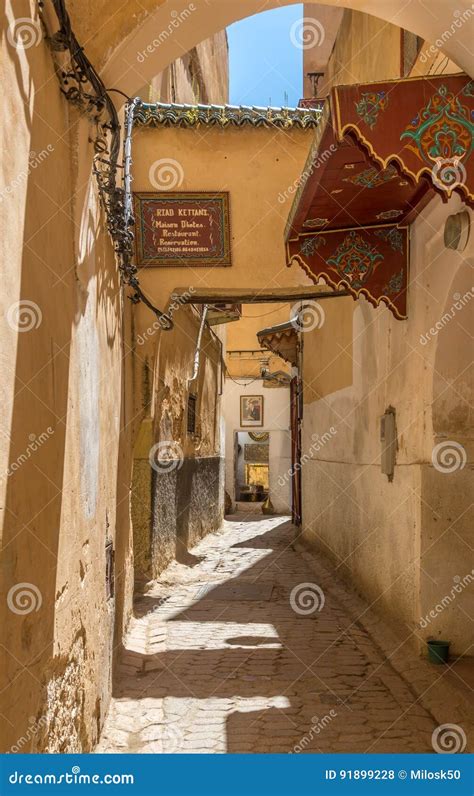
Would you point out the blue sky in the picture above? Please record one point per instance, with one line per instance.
(264, 64)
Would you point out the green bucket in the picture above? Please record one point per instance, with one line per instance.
(438, 651)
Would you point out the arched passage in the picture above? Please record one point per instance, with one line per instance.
(159, 30)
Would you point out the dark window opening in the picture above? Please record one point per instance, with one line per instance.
(192, 401)
(109, 570)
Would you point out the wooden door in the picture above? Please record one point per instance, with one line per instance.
(295, 452)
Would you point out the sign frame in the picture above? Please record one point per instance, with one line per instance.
(218, 198)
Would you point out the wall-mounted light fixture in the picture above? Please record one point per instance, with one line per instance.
(388, 442)
(456, 231)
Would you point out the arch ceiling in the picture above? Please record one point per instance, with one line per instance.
(114, 47)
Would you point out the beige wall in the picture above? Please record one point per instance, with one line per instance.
(242, 336)
(114, 46)
(257, 166)
(400, 543)
(197, 510)
(73, 397)
(173, 368)
(322, 23)
(72, 372)
(366, 48)
(202, 75)
(64, 452)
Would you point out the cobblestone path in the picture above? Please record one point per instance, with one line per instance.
(218, 660)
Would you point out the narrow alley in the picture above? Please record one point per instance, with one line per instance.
(237, 427)
(245, 652)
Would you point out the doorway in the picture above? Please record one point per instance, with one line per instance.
(251, 466)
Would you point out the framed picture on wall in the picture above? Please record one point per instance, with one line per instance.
(251, 411)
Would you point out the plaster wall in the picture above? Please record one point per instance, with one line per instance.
(63, 453)
(201, 75)
(187, 491)
(276, 420)
(260, 169)
(128, 30)
(401, 543)
(366, 48)
(72, 402)
(242, 337)
(323, 22)
(71, 493)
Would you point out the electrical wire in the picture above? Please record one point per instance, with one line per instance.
(240, 384)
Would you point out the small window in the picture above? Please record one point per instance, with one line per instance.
(109, 570)
(192, 400)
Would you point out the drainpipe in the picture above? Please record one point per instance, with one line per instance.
(197, 353)
(130, 109)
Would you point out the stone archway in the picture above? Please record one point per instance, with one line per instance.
(169, 35)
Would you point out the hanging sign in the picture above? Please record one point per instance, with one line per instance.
(180, 229)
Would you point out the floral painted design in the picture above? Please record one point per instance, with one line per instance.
(387, 215)
(315, 222)
(355, 259)
(393, 236)
(394, 285)
(468, 89)
(310, 245)
(442, 130)
(371, 178)
(370, 105)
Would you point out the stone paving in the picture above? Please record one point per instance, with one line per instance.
(221, 658)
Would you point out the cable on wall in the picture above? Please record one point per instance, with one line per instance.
(83, 88)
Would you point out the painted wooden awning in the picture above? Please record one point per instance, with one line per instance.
(380, 153)
(281, 340)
